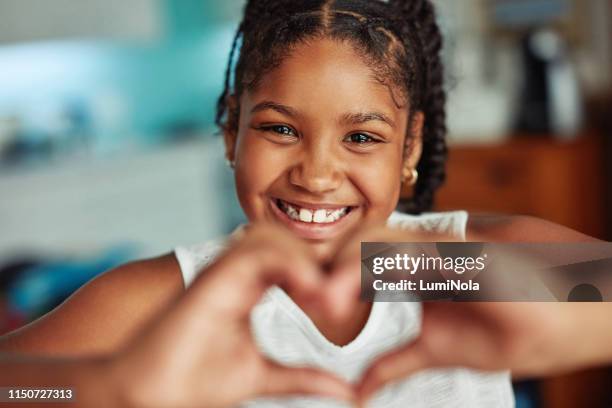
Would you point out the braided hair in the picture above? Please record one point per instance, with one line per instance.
(399, 39)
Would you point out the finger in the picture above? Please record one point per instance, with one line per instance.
(282, 264)
(391, 367)
(279, 257)
(238, 280)
(343, 289)
(344, 280)
(345, 283)
(281, 380)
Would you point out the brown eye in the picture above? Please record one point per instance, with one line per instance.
(360, 138)
(280, 129)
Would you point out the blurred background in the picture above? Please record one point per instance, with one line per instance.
(108, 151)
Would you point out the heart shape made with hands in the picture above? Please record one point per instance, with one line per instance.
(339, 294)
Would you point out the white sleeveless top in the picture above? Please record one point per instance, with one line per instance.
(284, 333)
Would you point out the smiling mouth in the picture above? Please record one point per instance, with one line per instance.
(312, 215)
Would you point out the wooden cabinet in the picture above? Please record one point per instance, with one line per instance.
(557, 181)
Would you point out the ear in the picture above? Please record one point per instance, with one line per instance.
(230, 131)
(413, 146)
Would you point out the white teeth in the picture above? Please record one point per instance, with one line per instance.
(293, 213)
(305, 215)
(319, 216)
(338, 213)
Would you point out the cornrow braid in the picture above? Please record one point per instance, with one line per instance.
(223, 98)
(399, 40)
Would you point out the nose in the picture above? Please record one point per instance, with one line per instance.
(318, 170)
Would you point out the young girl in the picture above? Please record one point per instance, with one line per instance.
(332, 105)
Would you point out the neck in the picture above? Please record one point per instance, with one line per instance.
(339, 332)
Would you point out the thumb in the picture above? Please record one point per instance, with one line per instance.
(281, 380)
(393, 366)
(343, 289)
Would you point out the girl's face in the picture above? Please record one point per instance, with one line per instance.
(320, 145)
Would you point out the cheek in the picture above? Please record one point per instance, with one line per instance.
(378, 180)
(257, 168)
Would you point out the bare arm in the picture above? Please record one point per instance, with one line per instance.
(91, 382)
(102, 314)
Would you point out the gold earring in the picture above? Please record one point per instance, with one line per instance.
(410, 175)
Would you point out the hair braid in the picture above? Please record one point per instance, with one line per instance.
(258, 11)
(419, 17)
(255, 11)
(222, 101)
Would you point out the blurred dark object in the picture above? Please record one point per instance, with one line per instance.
(11, 270)
(181, 131)
(550, 102)
(590, 388)
(21, 151)
(66, 132)
(527, 394)
(599, 117)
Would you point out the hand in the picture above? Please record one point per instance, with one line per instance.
(531, 339)
(202, 353)
(344, 286)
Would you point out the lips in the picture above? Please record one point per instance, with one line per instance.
(313, 221)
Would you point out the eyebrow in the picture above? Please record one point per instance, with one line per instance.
(283, 109)
(355, 118)
(359, 118)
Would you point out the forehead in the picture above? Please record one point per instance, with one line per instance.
(326, 75)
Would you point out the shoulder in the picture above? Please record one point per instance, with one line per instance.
(103, 313)
(134, 290)
(519, 228)
(159, 274)
(192, 260)
(131, 291)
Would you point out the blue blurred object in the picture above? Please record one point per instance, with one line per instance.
(527, 394)
(517, 13)
(41, 287)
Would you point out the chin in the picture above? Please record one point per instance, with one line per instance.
(323, 251)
